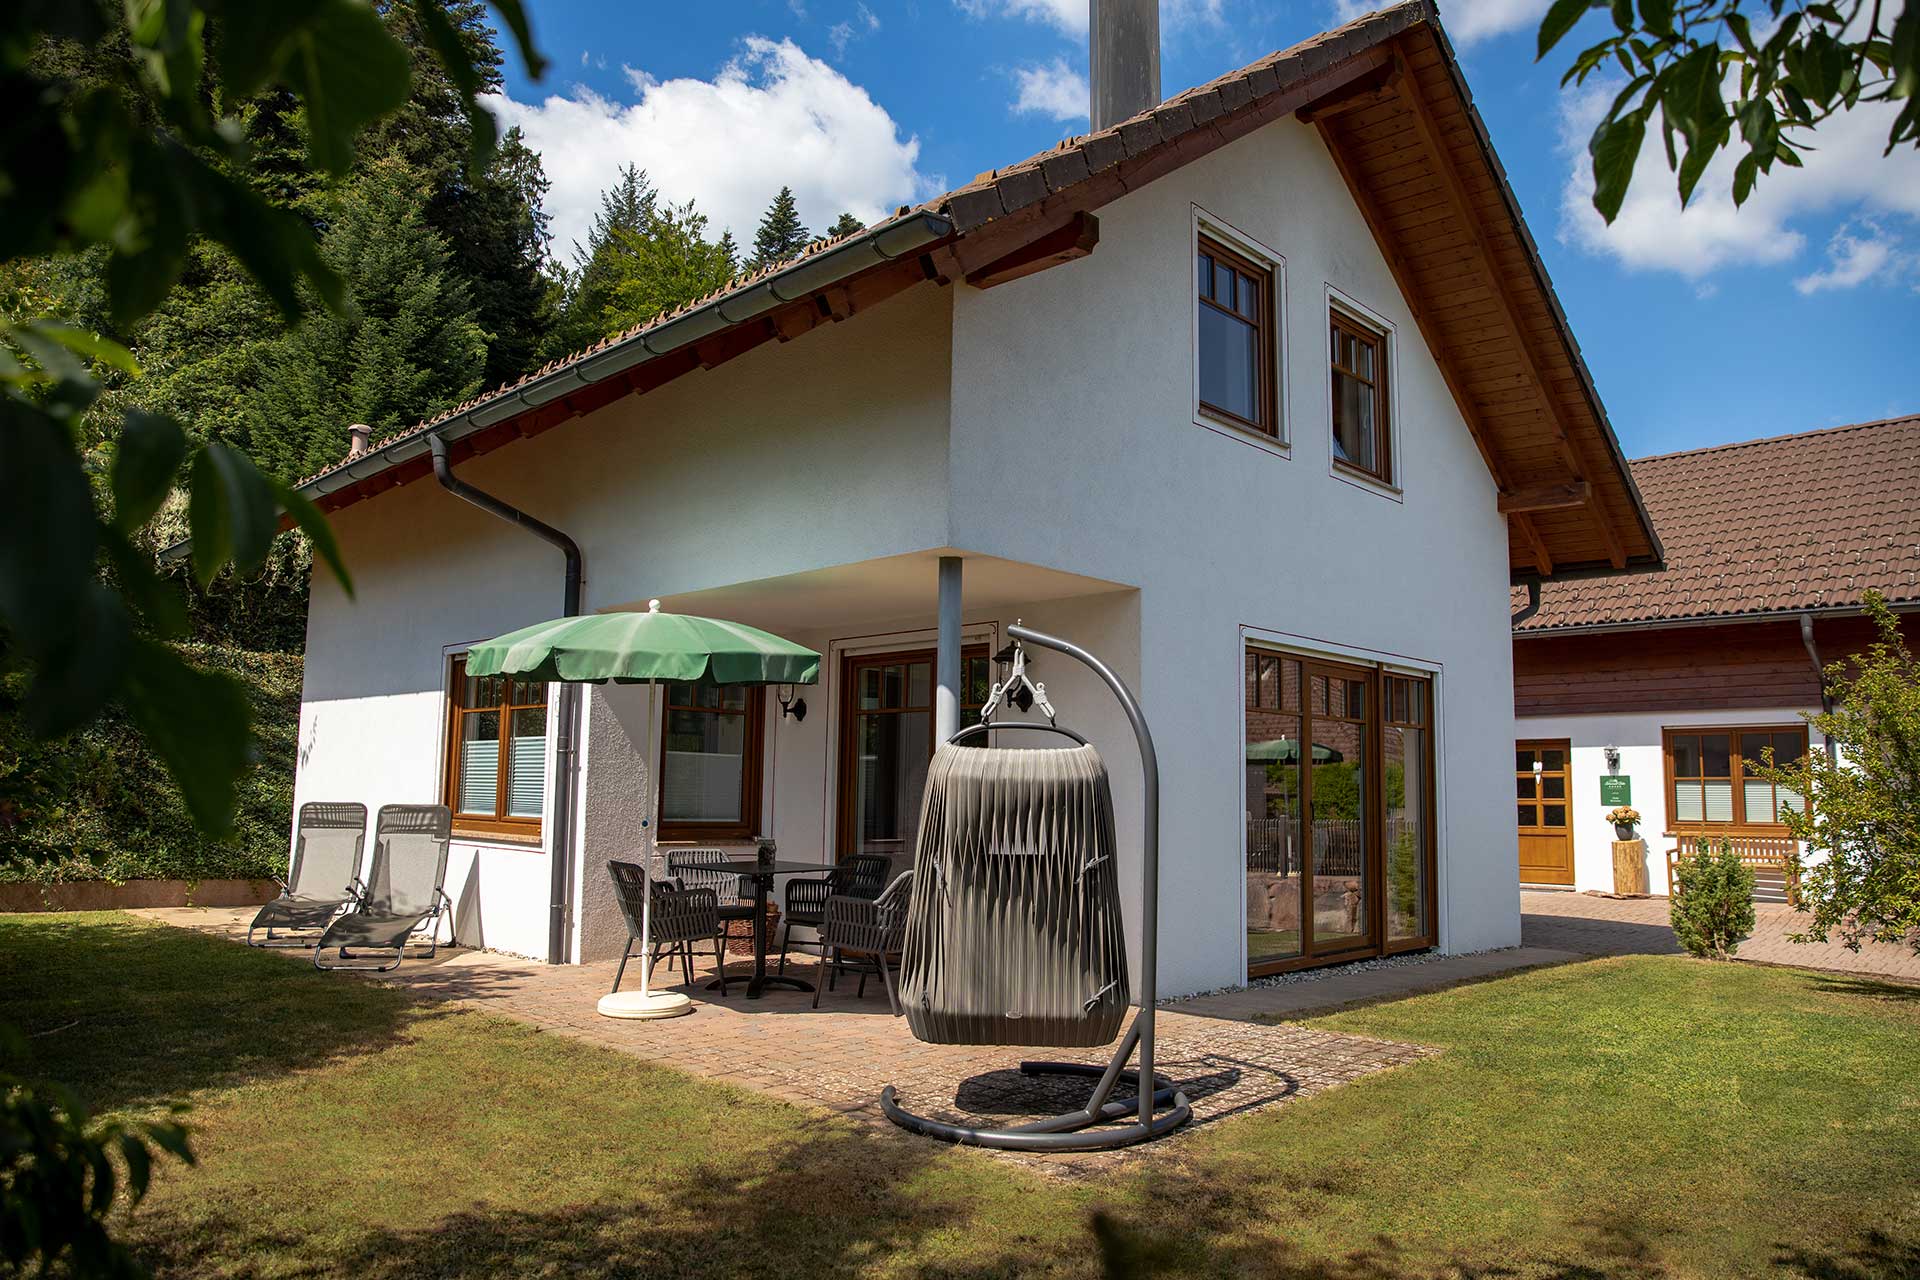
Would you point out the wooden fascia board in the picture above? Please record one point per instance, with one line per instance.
(1368, 91)
(1480, 253)
(1075, 238)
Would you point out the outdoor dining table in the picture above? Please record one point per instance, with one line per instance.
(762, 874)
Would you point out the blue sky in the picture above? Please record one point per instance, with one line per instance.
(1800, 310)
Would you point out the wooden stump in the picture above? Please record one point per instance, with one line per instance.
(1630, 867)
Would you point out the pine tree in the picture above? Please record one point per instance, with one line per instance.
(625, 209)
(845, 225)
(781, 233)
(666, 262)
(410, 347)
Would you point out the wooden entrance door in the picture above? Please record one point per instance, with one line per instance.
(1542, 785)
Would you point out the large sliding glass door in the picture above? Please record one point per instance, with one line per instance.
(1339, 829)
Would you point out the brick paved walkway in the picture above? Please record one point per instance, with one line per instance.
(1593, 925)
(841, 1055)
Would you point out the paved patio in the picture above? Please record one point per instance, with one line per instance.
(1593, 925)
(841, 1055)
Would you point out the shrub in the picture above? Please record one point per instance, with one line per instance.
(1712, 902)
(99, 805)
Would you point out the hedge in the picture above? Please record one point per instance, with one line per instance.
(99, 806)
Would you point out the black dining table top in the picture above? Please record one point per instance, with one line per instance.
(755, 867)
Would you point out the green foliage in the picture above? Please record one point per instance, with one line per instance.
(1863, 809)
(1699, 72)
(845, 225)
(93, 807)
(781, 233)
(1712, 901)
(61, 1171)
(125, 141)
(644, 256)
(408, 346)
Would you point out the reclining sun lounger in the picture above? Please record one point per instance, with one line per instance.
(405, 891)
(324, 877)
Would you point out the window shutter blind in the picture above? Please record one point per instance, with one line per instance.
(526, 776)
(479, 777)
(1719, 799)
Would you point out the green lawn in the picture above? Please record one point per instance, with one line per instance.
(1641, 1117)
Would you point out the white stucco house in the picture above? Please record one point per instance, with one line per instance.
(1662, 690)
(1261, 394)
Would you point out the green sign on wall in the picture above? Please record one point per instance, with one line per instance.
(1616, 790)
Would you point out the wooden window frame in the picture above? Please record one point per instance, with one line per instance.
(848, 746)
(751, 769)
(1736, 767)
(1265, 322)
(1340, 320)
(499, 824)
(1430, 853)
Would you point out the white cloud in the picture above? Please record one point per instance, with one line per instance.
(771, 116)
(1467, 21)
(839, 34)
(1054, 90)
(1859, 253)
(1652, 232)
(864, 22)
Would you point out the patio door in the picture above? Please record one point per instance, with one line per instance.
(1314, 812)
(886, 743)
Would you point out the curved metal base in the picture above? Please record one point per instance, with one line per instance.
(1070, 1132)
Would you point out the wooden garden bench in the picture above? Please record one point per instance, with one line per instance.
(1769, 854)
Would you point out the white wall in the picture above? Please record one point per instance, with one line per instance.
(1074, 446)
(1637, 735)
(795, 456)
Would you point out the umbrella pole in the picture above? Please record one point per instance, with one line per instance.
(646, 1002)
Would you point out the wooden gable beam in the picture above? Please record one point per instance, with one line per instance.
(1479, 252)
(1075, 238)
(1545, 497)
(1542, 558)
(1378, 86)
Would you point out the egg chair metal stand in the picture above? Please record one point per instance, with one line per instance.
(1150, 1112)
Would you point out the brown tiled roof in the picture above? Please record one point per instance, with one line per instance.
(1787, 524)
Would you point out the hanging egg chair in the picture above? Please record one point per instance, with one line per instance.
(1014, 933)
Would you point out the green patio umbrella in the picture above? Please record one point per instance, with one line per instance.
(1287, 751)
(635, 648)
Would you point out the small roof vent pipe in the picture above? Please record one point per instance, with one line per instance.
(1125, 59)
(357, 436)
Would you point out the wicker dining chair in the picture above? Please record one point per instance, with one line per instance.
(862, 875)
(681, 917)
(699, 869)
(867, 929)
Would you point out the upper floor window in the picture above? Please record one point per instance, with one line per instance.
(1359, 372)
(1236, 339)
(710, 762)
(1709, 775)
(497, 763)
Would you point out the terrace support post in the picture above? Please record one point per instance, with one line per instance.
(946, 666)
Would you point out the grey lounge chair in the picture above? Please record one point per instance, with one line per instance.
(323, 878)
(870, 929)
(405, 890)
(680, 918)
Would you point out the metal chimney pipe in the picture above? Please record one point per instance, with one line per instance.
(1125, 59)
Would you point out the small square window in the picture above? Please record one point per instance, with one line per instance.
(1359, 371)
(1235, 336)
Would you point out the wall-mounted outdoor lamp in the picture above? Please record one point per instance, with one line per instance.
(1613, 758)
(791, 705)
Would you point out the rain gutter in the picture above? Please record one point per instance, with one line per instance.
(565, 748)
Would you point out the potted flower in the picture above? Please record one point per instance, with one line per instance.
(1624, 820)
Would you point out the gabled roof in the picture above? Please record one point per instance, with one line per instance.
(1388, 98)
(1790, 524)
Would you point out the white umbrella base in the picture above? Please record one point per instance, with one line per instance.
(645, 1004)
